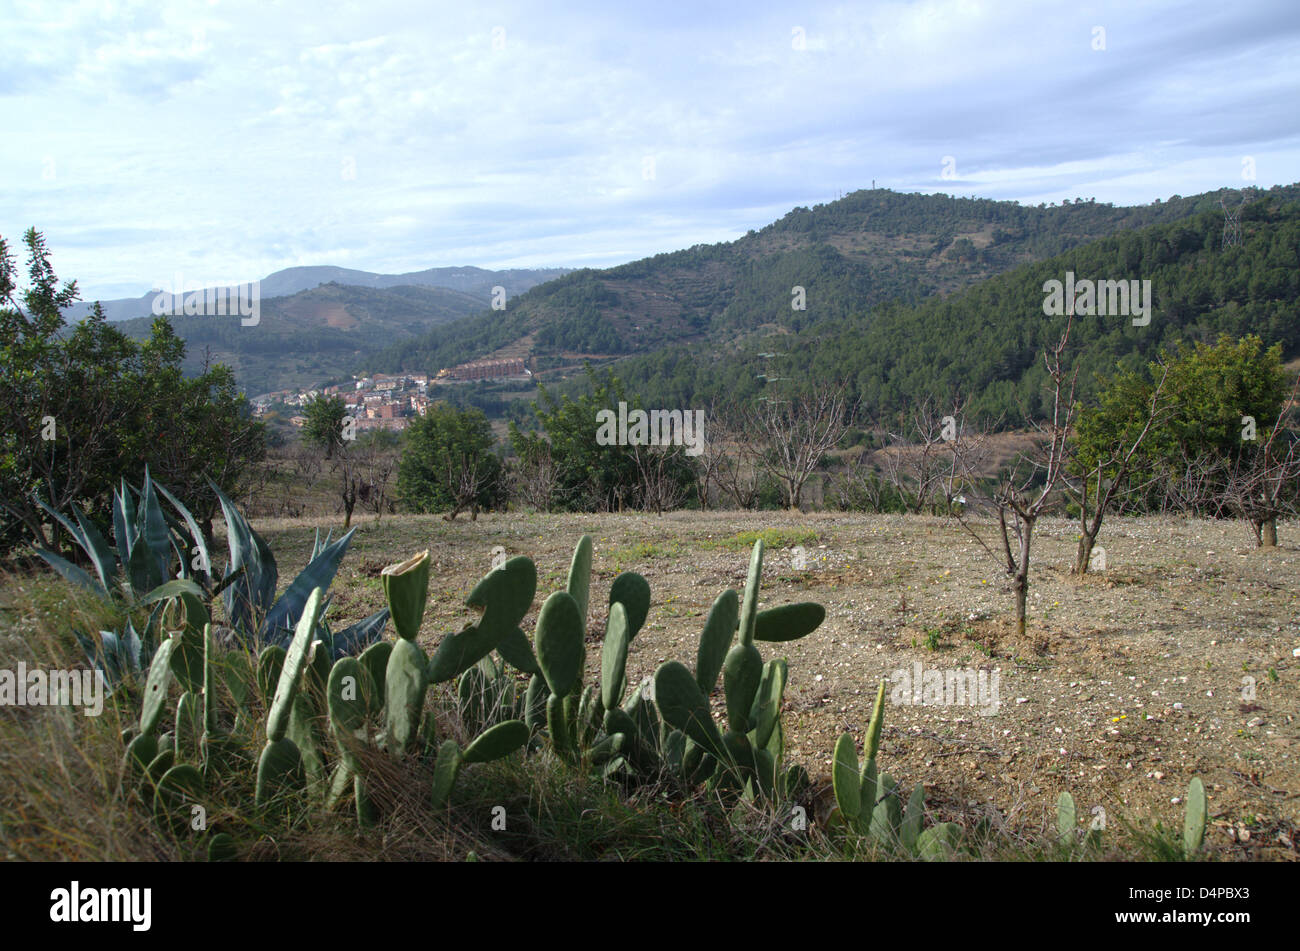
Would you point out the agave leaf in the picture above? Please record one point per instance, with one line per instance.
(98, 549)
(124, 522)
(98, 653)
(355, 638)
(153, 527)
(196, 533)
(173, 589)
(114, 656)
(177, 540)
(68, 526)
(142, 568)
(123, 653)
(70, 571)
(319, 573)
(251, 595)
(93, 545)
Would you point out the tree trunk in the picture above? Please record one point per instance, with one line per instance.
(1084, 555)
(1020, 587)
(1268, 534)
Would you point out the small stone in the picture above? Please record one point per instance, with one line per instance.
(1254, 721)
(1178, 706)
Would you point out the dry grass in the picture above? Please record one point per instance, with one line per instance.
(61, 794)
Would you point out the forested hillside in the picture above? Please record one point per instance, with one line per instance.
(986, 342)
(849, 256)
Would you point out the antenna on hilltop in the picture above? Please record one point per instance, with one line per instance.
(1232, 224)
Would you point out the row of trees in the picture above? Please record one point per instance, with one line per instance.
(1206, 431)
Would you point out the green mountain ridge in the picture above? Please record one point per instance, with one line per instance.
(985, 343)
(849, 256)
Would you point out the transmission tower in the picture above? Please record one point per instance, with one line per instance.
(1232, 224)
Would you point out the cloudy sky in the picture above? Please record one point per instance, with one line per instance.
(221, 141)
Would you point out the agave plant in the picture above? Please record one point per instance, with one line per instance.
(148, 543)
(162, 562)
(257, 616)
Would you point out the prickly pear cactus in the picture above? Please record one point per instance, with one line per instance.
(1067, 819)
(222, 848)
(683, 705)
(741, 674)
(404, 685)
(633, 592)
(155, 688)
(178, 788)
(496, 742)
(910, 830)
(715, 640)
(579, 586)
(561, 648)
(445, 770)
(887, 818)
(749, 608)
(1194, 818)
(406, 586)
(613, 657)
(278, 770)
(939, 843)
(789, 622)
(505, 595)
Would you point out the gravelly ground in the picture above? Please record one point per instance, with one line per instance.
(1127, 683)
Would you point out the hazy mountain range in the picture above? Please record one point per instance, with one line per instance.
(679, 322)
(475, 282)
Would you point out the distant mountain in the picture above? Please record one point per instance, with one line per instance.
(473, 281)
(313, 335)
(814, 265)
(986, 341)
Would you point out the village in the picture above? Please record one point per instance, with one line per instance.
(390, 401)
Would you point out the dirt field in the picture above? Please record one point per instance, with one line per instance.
(1126, 684)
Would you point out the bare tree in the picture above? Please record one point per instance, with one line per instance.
(1190, 484)
(347, 467)
(1261, 484)
(1110, 475)
(378, 468)
(712, 457)
(532, 478)
(858, 485)
(738, 472)
(913, 461)
(659, 488)
(797, 432)
(467, 478)
(1021, 497)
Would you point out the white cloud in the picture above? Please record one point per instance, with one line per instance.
(239, 137)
